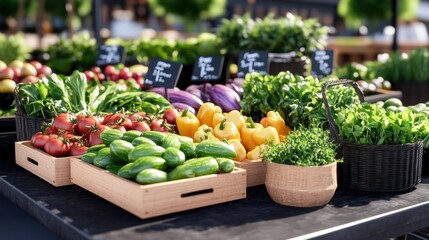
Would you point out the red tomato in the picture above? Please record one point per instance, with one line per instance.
(94, 136)
(158, 125)
(86, 123)
(135, 117)
(119, 127)
(127, 123)
(141, 126)
(56, 147)
(68, 135)
(170, 115)
(77, 149)
(113, 118)
(50, 130)
(63, 122)
(39, 140)
(106, 119)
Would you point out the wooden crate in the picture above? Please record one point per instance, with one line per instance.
(255, 171)
(55, 171)
(146, 201)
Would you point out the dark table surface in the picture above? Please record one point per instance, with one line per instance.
(74, 213)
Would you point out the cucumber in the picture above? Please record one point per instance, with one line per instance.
(188, 148)
(170, 141)
(173, 157)
(103, 158)
(203, 166)
(142, 140)
(182, 138)
(113, 168)
(95, 148)
(120, 150)
(154, 136)
(108, 135)
(145, 150)
(131, 170)
(215, 149)
(197, 159)
(89, 157)
(130, 135)
(226, 165)
(151, 175)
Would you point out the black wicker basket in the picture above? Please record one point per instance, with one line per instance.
(376, 168)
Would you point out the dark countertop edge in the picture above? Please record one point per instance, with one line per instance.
(41, 213)
(350, 229)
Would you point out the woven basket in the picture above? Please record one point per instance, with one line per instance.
(299, 186)
(375, 168)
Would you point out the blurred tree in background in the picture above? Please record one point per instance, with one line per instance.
(189, 11)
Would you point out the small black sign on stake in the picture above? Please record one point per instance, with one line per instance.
(162, 73)
(207, 68)
(322, 62)
(110, 55)
(252, 61)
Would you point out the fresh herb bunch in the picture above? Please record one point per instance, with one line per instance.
(357, 71)
(403, 67)
(77, 53)
(307, 146)
(13, 47)
(371, 124)
(277, 35)
(297, 99)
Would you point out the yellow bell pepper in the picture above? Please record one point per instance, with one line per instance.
(265, 135)
(187, 124)
(226, 130)
(239, 149)
(274, 119)
(254, 154)
(217, 118)
(206, 112)
(246, 133)
(235, 117)
(204, 132)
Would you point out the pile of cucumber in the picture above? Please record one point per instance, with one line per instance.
(153, 157)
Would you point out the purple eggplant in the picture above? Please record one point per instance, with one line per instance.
(238, 81)
(225, 98)
(184, 97)
(160, 90)
(238, 89)
(183, 106)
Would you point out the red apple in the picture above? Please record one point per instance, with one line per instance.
(114, 77)
(30, 79)
(125, 73)
(96, 69)
(16, 74)
(89, 75)
(36, 65)
(6, 73)
(2, 65)
(28, 70)
(109, 70)
(45, 70)
(100, 76)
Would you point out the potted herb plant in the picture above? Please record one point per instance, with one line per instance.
(301, 171)
(289, 39)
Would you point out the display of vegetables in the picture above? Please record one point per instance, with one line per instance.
(372, 124)
(58, 94)
(152, 157)
(297, 99)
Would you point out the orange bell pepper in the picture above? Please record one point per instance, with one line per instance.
(187, 124)
(206, 112)
(235, 117)
(239, 149)
(274, 119)
(204, 132)
(226, 130)
(265, 135)
(246, 133)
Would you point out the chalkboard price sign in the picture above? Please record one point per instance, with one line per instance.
(207, 68)
(322, 62)
(252, 61)
(162, 73)
(110, 55)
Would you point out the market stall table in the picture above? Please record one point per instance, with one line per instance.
(74, 213)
